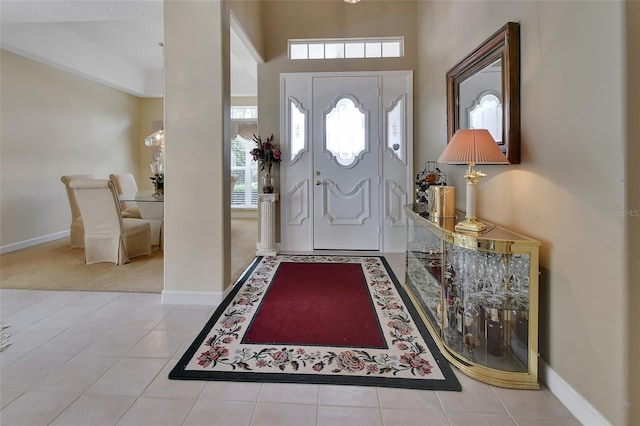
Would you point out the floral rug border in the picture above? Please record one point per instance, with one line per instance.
(411, 359)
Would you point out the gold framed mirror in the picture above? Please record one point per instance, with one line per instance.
(483, 90)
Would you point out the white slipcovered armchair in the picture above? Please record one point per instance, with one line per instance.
(76, 230)
(108, 237)
(126, 184)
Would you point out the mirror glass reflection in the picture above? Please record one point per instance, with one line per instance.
(480, 101)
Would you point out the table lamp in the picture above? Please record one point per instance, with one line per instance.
(471, 147)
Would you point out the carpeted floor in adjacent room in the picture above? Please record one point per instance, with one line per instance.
(57, 266)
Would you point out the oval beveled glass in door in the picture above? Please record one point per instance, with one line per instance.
(345, 136)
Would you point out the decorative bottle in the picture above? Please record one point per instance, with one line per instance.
(459, 317)
(522, 327)
(495, 333)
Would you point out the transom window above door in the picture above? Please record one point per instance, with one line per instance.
(334, 48)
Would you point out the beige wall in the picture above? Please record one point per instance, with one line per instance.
(53, 124)
(570, 187)
(249, 16)
(244, 100)
(633, 204)
(151, 110)
(197, 217)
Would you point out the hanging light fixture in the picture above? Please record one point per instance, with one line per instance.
(155, 139)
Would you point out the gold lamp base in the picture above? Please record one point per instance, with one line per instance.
(471, 225)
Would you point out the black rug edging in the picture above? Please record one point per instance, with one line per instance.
(186, 357)
(450, 383)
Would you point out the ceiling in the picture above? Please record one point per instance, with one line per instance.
(114, 42)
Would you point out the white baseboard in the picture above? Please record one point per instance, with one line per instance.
(239, 214)
(208, 298)
(33, 242)
(577, 404)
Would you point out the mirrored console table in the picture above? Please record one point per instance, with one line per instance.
(478, 295)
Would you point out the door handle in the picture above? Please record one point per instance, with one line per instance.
(318, 182)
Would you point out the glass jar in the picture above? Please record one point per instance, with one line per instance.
(267, 183)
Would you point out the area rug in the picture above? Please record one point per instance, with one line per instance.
(318, 319)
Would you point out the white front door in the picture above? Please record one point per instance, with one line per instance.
(346, 146)
(346, 156)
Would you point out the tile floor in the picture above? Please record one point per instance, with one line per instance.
(92, 358)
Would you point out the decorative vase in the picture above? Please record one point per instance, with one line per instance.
(267, 183)
(522, 327)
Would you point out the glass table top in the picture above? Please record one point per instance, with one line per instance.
(142, 196)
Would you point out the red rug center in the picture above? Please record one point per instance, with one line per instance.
(317, 304)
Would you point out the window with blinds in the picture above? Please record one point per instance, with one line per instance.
(245, 191)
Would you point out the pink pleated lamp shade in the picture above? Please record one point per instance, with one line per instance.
(472, 146)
